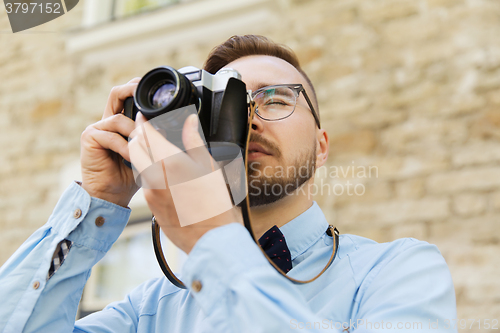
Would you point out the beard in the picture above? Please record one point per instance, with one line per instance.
(269, 187)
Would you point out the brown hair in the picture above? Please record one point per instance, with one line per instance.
(240, 46)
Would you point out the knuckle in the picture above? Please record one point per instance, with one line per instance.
(121, 118)
(87, 132)
(86, 140)
(115, 89)
(114, 119)
(115, 139)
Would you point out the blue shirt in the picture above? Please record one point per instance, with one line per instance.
(370, 287)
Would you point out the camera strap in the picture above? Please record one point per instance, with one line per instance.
(245, 210)
(330, 231)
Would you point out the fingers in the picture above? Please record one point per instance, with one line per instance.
(100, 139)
(109, 134)
(135, 80)
(118, 95)
(140, 119)
(117, 123)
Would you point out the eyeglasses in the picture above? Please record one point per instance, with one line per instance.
(278, 102)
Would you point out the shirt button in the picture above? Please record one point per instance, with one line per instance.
(36, 285)
(99, 221)
(196, 285)
(77, 213)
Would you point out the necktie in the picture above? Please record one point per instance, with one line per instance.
(274, 245)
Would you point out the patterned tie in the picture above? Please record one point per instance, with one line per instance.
(274, 244)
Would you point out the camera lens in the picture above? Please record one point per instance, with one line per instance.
(163, 95)
(164, 89)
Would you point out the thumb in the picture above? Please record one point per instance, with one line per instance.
(194, 143)
(191, 133)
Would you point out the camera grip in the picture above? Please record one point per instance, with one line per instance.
(129, 108)
(130, 111)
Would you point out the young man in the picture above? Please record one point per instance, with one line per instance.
(403, 285)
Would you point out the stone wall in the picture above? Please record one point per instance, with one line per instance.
(410, 88)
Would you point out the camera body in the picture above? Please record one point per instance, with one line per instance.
(220, 100)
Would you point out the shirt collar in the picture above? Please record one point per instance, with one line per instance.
(304, 230)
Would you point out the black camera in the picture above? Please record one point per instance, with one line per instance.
(220, 101)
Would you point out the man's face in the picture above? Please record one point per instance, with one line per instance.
(282, 153)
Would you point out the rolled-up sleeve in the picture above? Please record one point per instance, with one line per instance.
(30, 302)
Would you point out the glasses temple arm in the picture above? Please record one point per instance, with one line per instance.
(315, 115)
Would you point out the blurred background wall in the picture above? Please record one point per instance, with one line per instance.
(411, 87)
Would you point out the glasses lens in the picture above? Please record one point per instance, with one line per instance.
(275, 103)
(163, 95)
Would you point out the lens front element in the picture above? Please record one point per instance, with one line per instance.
(163, 89)
(163, 95)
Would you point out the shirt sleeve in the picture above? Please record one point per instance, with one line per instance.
(237, 288)
(410, 289)
(239, 291)
(30, 302)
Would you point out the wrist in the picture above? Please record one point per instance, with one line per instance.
(190, 235)
(112, 198)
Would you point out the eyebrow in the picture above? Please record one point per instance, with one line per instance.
(262, 85)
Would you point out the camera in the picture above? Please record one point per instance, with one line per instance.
(166, 97)
(220, 101)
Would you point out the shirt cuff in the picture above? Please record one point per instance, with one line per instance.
(220, 256)
(88, 221)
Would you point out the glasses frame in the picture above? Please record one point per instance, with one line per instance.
(297, 89)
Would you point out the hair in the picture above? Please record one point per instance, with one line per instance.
(240, 46)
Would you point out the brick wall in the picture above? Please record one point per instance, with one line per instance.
(410, 87)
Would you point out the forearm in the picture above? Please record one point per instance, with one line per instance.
(31, 303)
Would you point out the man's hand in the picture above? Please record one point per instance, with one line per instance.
(184, 190)
(104, 175)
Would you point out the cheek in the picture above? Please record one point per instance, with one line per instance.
(295, 140)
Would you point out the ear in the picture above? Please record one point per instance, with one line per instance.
(322, 147)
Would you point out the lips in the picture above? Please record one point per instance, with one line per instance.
(256, 148)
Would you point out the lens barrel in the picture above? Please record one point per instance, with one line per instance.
(164, 89)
